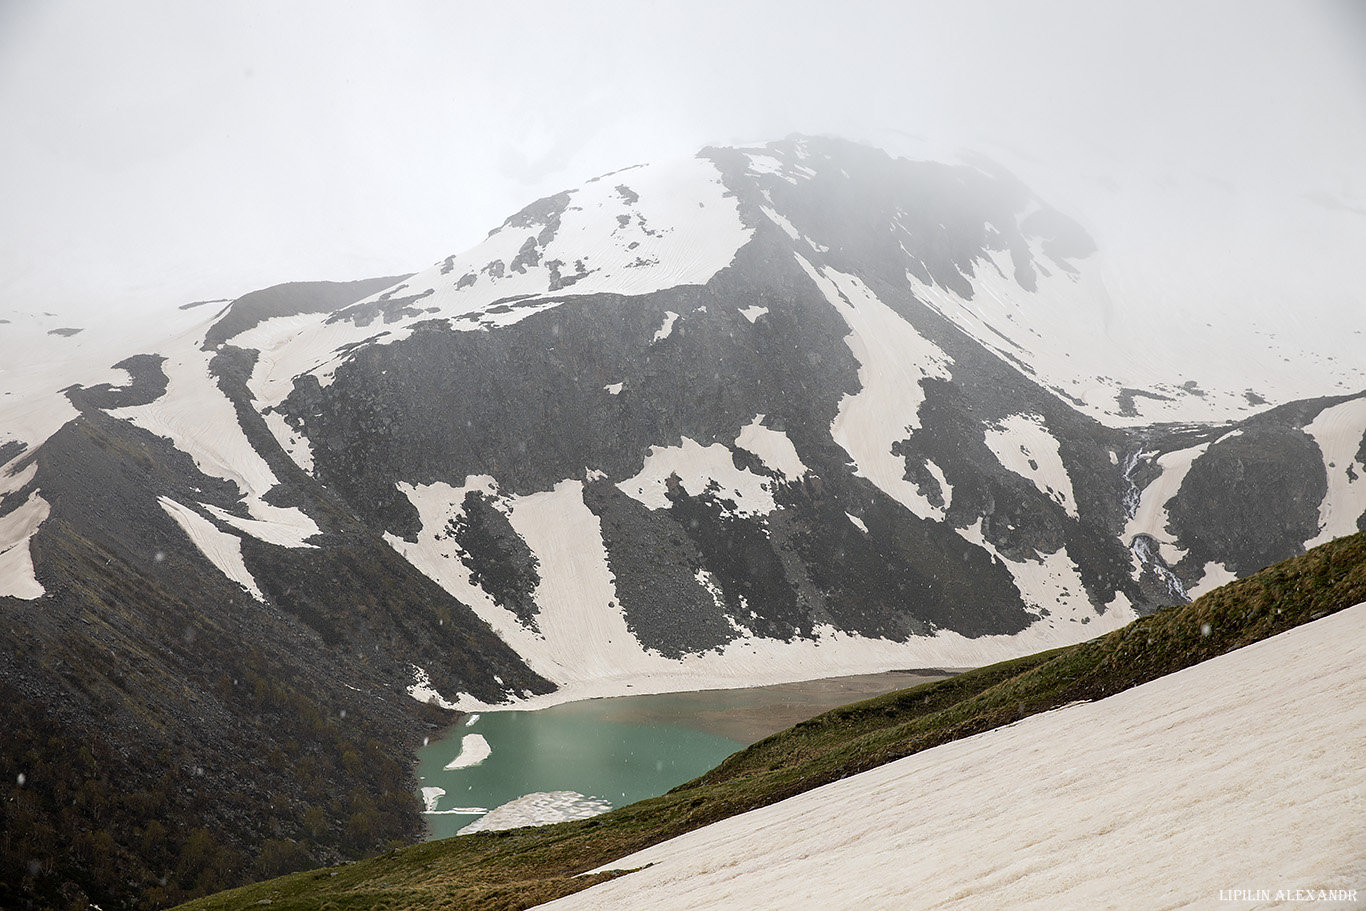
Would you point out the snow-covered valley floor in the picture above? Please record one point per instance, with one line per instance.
(1237, 783)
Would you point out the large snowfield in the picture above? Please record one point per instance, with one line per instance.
(1237, 783)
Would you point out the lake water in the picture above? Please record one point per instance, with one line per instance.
(582, 758)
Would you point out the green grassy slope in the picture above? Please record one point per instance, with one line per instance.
(524, 867)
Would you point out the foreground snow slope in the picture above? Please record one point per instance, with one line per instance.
(1242, 773)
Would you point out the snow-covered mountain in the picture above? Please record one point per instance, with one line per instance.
(765, 414)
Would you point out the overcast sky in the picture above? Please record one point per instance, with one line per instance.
(163, 152)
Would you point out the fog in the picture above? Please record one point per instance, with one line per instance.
(157, 153)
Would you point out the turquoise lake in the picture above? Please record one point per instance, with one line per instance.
(611, 752)
(576, 747)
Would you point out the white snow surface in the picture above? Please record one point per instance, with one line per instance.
(200, 420)
(708, 581)
(1339, 432)
(580, 640)
(579, 634)
(893, 360)
(283, 527)
(38, 359)
(681, 229)
(539, 809)
(753, 313)
(788, 228)
(1024, 438)
(474, 749)
(438, 556)
(222, 549)
(1243, 772)
(17, 579)
(667, 328)
(430, 796)
(1078, 335)
(764, 161)
(296, 445)
(711, 468)
(291, 346)
(35, 364)
(702, 468)
(1150, 517)
(772, 447)
(12, 478)
(1215, 576)
(1052, 588)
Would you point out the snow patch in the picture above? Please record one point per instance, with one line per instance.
(289, 347)
(773, 447)
(858, 523)
(753, 313)
(1023, 445)
(701, 469)
(294, 443)
(764, 162)
(614, 388)
(583, 630)
(17, 576)
(667, 329)
(223, 550)
(436, 554)
(282, 527)
(708, 581)
(1052, 587)
(781, 222)
(16, 480)
(1150, 518)
(1215, 575)
(1338, 431)
(893, 361)
(423, 691)
(197, 417)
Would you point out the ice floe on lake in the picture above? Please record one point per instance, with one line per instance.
(474, 749)
(539, 809)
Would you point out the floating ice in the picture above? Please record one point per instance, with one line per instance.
(474, 749)
(539, 809)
